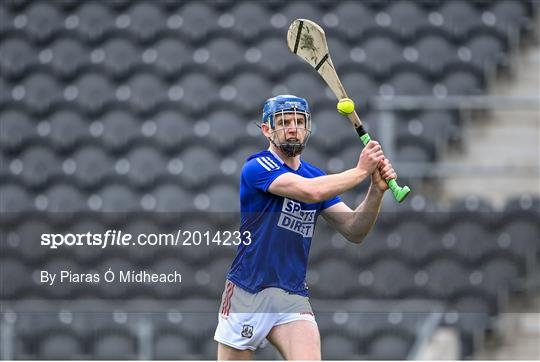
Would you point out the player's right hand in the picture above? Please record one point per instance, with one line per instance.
(370, 157)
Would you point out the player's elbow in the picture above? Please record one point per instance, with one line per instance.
(312, 195)
(355, 238)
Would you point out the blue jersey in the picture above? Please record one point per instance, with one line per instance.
(281, 228)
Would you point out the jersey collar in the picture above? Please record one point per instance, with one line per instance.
(280, 160)
(275, 155)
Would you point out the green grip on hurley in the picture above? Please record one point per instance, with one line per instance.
(400, 193)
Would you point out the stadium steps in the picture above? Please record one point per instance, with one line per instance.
(517, 333)
(503, 137)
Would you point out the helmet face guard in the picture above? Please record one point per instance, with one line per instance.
(282, 105)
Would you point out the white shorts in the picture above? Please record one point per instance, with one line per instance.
(245, 319)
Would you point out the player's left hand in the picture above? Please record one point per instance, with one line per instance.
(384, 172)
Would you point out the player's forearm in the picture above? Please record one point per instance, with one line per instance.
(365, 215)
(329, 186)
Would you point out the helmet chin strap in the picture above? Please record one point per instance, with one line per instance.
(291, 149)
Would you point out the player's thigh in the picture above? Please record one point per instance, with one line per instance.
(227, 353)
(297, 340)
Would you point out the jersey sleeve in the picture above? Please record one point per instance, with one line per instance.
(331, 202)
(260, 172)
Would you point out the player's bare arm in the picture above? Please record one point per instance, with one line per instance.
(356, 224)
(325, 187)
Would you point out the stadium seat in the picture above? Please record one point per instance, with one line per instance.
(406, 17)
(60, 346)
(17, 129)
(68, 128)
(251, 91)
(68, 56)
(390, 346)
(114, 345)
(65, 199)
(15, 199)
(307, 86)
(6, 19)
(116, 198)
(409, 83)
(302, 10)
(524, 204)
(275, 57)
(171, 346)
(510, 16)
(39, 166)
(196, 16)
(200, 313)
(435, 53)
(392, 278)
(224, 199)
(373, 247)
(417, 242)
(41, 92)
(24, 239)
(472, 241)
(520, 236)
(173, 55)
(200, 91)
(92, 166)
(94, 91)
(121, 55)
(147, 92)
(459, 17)
(327, 279)
(361, 85)
(95, 20)
(172, 129)
(462, 83)
(15, 278)
(194, 175)
(120, 128)
(487, 51)
(225, 55)
(243, 152)
(44, 19)
(445, 277)
(251, 20)
(382, 54)
(226, 129)
(147, 19)
(339, 347)
(437, 125)
(146, 165)
(471, 203)
(16, 55)
(414, 150)
(499, 274)
(171, 198)
(327, 121)
(354, 18)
